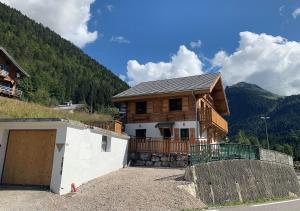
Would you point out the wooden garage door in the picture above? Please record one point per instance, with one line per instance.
(29, 157)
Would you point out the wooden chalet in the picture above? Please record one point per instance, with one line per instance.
(187, 109)
(10, 74)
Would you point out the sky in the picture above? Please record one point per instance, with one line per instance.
(254, 41)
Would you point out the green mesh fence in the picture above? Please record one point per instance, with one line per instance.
(212, 152)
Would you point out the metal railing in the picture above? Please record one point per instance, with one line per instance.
(213, 152)
(9, 91)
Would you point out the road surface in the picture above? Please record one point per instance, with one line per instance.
(289, 205)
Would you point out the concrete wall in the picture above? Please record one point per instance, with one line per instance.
(242, 180)
(274, 156)
(152, 131)
(84, 160)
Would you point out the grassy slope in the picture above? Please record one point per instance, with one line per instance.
(10, 108)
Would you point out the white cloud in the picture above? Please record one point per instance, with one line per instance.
(196, 44)
(119, 39)
(183, 63)
(296, 12)
(68, 18)
(122, 77)
(110, 7)
(271, 62)
(281, 10)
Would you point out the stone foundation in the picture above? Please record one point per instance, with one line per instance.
(173, 160)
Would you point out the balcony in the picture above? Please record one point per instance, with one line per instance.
(210, 117)
(10, 92)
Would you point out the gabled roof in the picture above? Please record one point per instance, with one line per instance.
(9, 57)
(174, 85)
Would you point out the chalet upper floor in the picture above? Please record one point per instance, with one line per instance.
(10, 74)
(195, 98)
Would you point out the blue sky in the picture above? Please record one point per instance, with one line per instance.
(156, 28)
(255, 41)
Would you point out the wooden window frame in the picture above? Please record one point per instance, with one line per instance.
(188, 133)
(141, 107)
(177, 106)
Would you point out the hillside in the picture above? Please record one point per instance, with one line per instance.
(19, 109)
(59, 70)
(248, 102)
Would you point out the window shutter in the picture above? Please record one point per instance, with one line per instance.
(185, 104)
(176, 133)
(165, 105)
(192, 133)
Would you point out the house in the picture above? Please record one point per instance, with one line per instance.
(69, 106)
(10, 74)
(187, 108)
(57, 153)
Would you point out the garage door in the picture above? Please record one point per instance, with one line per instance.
(29, 157)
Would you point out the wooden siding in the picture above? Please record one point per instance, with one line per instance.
(29, 157)
(158, 111)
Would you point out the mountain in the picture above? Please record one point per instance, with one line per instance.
(59, 70)
(248, 102)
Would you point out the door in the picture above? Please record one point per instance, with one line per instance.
(166, 133)
(29, 157)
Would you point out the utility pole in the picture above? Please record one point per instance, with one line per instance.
(265, 120)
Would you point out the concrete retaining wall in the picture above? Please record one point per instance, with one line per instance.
(242, 180)
(274, 156)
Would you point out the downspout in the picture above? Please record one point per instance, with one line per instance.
(196, 117)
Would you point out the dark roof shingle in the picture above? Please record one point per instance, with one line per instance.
(197, 82)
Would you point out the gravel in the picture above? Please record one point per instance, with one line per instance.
(126, 189)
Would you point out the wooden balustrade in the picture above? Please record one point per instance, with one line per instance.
(162, 145)
(211, 117)
(9, 91)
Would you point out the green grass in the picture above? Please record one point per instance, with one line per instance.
(11, 108)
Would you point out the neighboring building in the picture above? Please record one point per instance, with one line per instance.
(10, 74)
(178, 108)
(69, 106)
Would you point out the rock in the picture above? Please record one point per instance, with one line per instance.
(164, 159)
(181, 158)
(181, 163)
(144, 156)
(165, 164)
(155, 158)
(132, 156)
(157, 164)
(149, 163)
(139, 163)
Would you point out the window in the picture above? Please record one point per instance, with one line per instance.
(175, 104)
(184, 133)
(140, 133)
(105, 145)
(141, 107)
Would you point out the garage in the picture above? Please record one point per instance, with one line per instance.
(29, 157)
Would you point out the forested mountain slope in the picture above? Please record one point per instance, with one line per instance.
(59, 70)
(248, 102)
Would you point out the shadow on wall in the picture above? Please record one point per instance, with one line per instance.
(242, 180)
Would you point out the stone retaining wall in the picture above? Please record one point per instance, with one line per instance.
(242, 180)
(274, 156)
(158, 159)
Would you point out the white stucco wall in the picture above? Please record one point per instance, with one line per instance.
(84, 160)
(153, 132)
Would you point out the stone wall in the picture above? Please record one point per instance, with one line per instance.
(274, 156)
(242, 180)
(158, 159)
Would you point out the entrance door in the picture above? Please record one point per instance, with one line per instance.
(29, 157)
(166, 133)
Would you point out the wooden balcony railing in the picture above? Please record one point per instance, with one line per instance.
(9, 91)
(210, 117)
(152, 145)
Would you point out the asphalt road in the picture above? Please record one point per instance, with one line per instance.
(289, 205)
